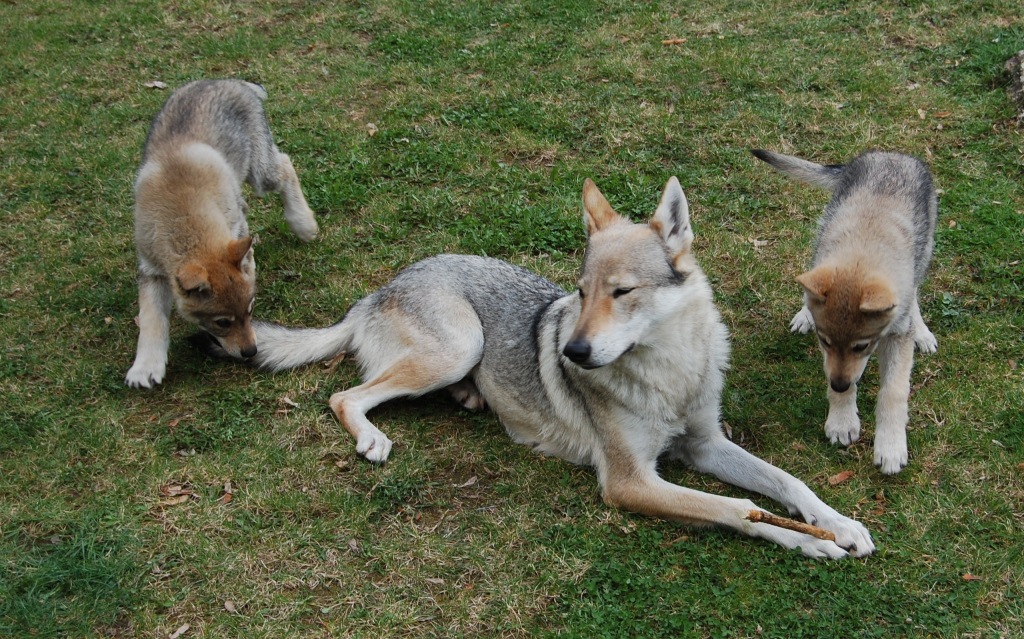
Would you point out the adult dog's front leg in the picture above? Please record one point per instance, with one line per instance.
(712, 453)
(648, 494)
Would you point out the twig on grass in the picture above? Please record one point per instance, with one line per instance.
(760, 516)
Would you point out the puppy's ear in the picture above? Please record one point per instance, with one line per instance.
(597, 212)
(193, 279)
(877, 296)
(817, 282)
(672, 218)
(238, 250)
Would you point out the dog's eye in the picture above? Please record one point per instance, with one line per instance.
(581, 293)
(860, 348)
(619, 292)
(824, 342)
(222, 322)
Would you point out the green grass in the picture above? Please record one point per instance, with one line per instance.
(489, 117)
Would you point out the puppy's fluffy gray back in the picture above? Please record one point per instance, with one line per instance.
(227, 115)
(898, 178)
(893, 177)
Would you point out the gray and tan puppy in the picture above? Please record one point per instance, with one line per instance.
(874, 246)
(191, 234)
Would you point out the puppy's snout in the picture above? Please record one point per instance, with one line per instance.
(249, 351)
(578, 350)
(839, 385)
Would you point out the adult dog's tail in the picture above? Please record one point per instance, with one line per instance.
(279, 347)
(822, 176)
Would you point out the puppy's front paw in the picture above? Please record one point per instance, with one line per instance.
(147, 371)
(842, 427)
(891, 450)
(925, 340)
(802, 322)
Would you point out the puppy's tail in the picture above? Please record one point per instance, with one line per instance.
(822, 176)
(280, 348)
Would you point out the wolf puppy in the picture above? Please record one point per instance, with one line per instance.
(874, 245)
(191, 234)
(628, 368)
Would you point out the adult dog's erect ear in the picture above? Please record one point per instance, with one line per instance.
(597, 212)
(672, 219)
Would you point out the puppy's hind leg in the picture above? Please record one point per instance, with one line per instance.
(296, 211)
(155, 302)
(924, 339)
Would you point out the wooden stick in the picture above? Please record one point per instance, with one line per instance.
(760, 516)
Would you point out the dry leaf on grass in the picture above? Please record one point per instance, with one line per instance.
(175, 494)
(155, 84)
(469, 482)
(969, 577)
(180, 631)
(672, 41)
(174, 501)
(230, 606)
(839, 478)
(173, 490)
(434, 580)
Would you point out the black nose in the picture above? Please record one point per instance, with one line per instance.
(577, 350)
(249, 351)
(840, 385)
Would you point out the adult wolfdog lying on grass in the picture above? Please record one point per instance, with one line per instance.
(629, 368)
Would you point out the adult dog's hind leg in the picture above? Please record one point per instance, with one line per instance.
(435, 362)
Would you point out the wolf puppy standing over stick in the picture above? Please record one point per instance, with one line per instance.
(874, 246)
(191, 233)
(629, 367)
